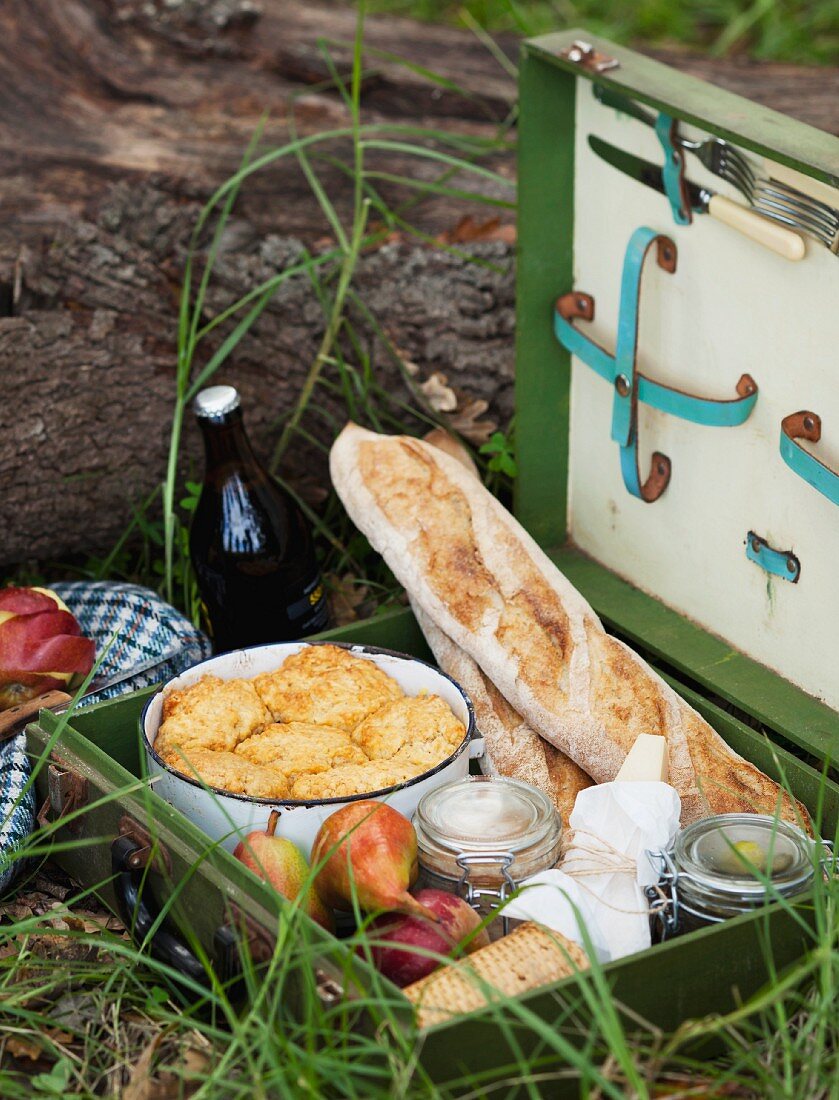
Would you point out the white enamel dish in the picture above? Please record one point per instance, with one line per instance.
(226, 817)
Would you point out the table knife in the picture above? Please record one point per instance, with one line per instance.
(15, 718)
(702, 201)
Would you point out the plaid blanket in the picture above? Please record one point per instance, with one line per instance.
(132, 626)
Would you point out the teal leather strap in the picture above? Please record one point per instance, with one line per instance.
(630, 385)
(807, 425)
(673, 169)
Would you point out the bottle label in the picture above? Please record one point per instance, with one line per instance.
(311, 612)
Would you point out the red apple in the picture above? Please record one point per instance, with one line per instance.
(281, 863)
(397, 933)
(41, 645)
(369, 851)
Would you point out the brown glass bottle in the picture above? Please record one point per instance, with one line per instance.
(250, 545)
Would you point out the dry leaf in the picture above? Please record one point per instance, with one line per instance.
(468, 230)
(466, 421)
(195, 1062)
(346, 596)
(45, 885)
(141, 1084)
(439, 395)
(19, 1047)
(410, 366)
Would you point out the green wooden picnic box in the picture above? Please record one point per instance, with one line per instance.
(719, 567)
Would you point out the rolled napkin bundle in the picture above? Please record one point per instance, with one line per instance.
(605, 868)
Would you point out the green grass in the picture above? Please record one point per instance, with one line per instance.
(778, 30)
(86, 1012)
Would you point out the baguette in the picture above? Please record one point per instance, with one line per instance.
(512, 747)
(487, 585)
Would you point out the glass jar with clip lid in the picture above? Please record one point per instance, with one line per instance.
(729, 864)
(481, 836)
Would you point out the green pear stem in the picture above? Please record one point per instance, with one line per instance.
(273, 819)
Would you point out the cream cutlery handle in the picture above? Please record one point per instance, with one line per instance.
(765, 232)
(815, 189)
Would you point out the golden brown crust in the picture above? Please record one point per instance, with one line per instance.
(211, 714)
(725, 790)
(295, 748)
(350, 779)
(326, 685)
(512, 748)
(223, 730)
(416, 498)
(419, 732)
(481, 578)
(228, 771)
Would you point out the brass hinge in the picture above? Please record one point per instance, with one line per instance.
(66, 792)
(587, 57)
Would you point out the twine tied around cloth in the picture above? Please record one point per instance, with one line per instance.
(606, 859)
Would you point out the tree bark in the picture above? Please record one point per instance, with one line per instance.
(118, 118)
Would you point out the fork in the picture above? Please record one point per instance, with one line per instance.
(770, 197)
(792, 207)
(718, 156)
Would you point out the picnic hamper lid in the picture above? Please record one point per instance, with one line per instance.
(682, 577)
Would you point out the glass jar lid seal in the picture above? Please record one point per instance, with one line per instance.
(497, 828)
(737, 853)
(486, 813)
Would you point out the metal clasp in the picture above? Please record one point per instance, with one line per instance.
(665, 909)
(466, 861)
(780, 563)
(587, 57)
(829, 863)
(149, 851)
(66, 791)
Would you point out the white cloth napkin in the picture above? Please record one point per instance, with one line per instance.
(605, 870)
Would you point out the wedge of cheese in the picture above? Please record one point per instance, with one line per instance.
(646, 761)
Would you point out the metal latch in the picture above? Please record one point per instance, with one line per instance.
(66, 792)
(587, 57)
(150, 852)
(781, 563)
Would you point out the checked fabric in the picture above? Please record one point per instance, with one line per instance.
(131, 626)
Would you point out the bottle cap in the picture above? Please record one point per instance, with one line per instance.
(215, 401)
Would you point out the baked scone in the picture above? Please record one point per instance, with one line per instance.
(228, 771)
(418, 731)
(349, 779)
(211, 714)
(297, 748)
(326, 685)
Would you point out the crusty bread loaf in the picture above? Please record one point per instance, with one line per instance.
(487, 585)
(512, 747)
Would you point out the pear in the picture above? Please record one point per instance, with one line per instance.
(368, 851)
(397, 936)
(279, 861)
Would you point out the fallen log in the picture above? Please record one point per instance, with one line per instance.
(118, 118)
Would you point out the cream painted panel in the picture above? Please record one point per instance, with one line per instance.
(731, 307)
